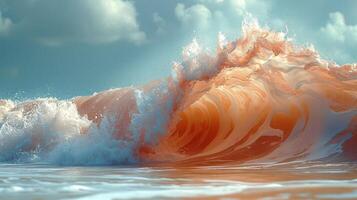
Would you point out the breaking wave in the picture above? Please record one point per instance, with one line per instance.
(257, 99)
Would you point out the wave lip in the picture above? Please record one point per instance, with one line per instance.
(264, 100)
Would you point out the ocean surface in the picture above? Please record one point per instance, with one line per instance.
(295, 180)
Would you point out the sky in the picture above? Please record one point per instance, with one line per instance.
(66, 48)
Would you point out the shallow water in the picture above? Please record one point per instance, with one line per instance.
(266, 181)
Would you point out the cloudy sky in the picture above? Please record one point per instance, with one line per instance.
(65, 48)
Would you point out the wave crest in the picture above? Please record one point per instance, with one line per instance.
(258, 99)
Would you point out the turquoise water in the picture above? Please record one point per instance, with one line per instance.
(313, 180)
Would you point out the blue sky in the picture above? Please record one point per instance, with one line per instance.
(65, 48)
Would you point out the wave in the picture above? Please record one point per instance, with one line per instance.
(257, 99)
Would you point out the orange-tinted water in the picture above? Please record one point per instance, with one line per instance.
(258, 99)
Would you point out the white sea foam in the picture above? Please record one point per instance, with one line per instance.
(51, 130)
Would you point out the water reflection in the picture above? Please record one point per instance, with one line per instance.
(304, 180)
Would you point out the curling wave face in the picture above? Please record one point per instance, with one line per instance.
(257, 99)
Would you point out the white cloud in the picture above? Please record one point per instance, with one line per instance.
(83, 21)
(257, 8)
(160, 23)
(211, 1)
(240, 6)
(243, 7)
(197, 15)
(5, 25)
(222, 15)
(337, 30)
